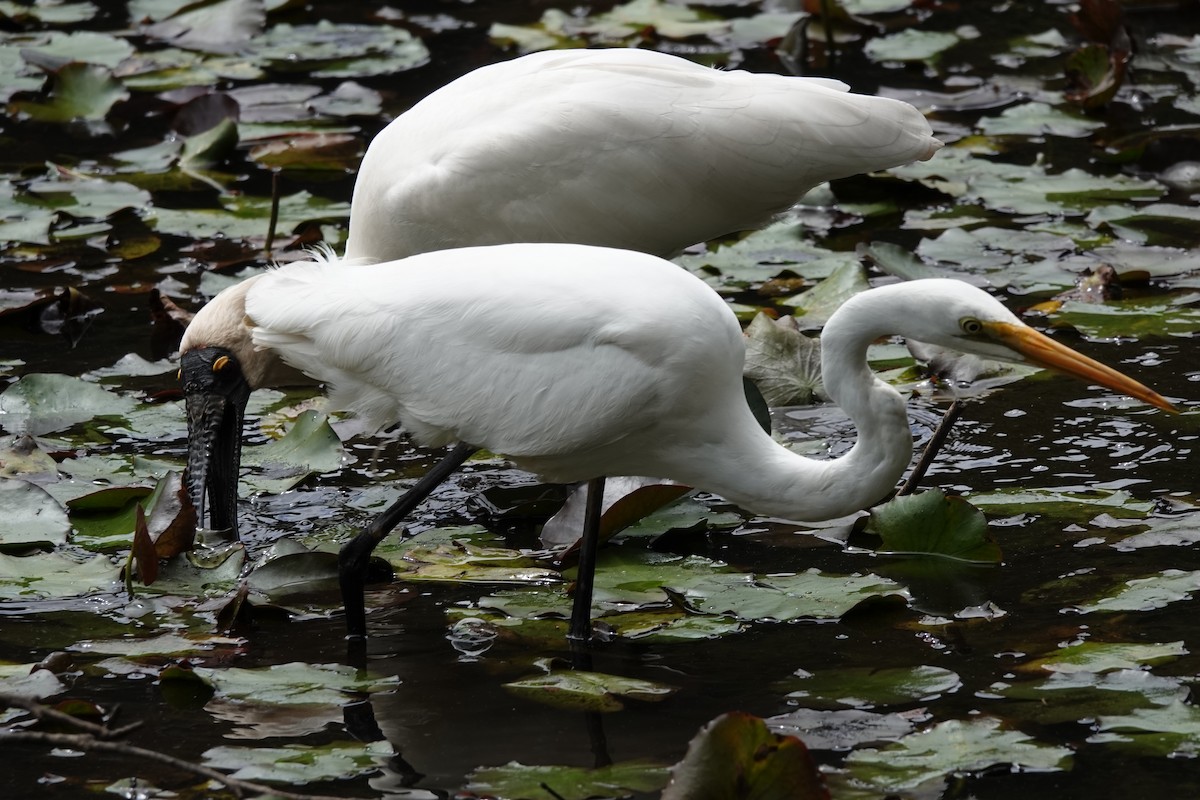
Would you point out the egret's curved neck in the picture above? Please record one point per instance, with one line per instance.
(766, 478)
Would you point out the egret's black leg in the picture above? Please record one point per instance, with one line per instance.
(581, 610)
(355, 555)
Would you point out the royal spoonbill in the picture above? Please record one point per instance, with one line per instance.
(616, 147)
(575, 362)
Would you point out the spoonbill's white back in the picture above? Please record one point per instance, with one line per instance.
(619, 147)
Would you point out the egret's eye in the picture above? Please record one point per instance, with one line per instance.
(221, 363)
(970, 326)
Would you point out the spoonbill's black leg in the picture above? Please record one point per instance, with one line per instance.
(355, 555)
(580, 629)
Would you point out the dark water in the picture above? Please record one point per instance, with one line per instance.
(450, 715)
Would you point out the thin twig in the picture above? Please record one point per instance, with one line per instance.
(81, 741)
(46, 713)
(931, 450)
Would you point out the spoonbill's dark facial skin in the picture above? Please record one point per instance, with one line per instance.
(215, 391)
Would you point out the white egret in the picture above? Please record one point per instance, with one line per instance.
(576, 362)
(618, 147)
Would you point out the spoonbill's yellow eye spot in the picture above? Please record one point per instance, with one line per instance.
(970, 326)
(221, 363)
(179, 374)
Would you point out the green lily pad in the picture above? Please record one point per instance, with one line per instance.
(578, 690)
(463, 555)
(911, 45)
(737, 756)
(41, 403)
(864, 687)
(568, 783)
(300, 764)
(779, 598)
(77, 91)
(43, 576)
(954, 747)
(841, 729)
(1172, 730)
(1149, 593)
(623, 24)
(203, 572)
(817, 305)
(1168, 224)
(337, 50)
(1098, 657)
(19, 680)
(309, 447)
(1037, 119)
(1066, 504)
(292, 683)
(1084, 696)
(166, 644)
(31, 517)
(932, 524)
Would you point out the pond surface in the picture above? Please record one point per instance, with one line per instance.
(1073, 659)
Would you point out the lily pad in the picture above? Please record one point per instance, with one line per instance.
(54, 575)
(1172, 730)
(863, 687)
(579, 690)
(783, 363)
(292, 683)
(567, 783)
(1099, 657)
(31, 517)
(932, 524)
(41, 403)
(1149, 593)
(954, 747)
(300, 764)
(309, 447)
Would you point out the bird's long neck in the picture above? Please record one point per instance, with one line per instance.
(769, 479)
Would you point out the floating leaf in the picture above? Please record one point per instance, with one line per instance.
(309, 447)
(1171, 731)
(840, 730)
(31, 517)
(737, 756)
(870, 687)
(817, 305)
(298, 763)
(292, 683)
(953, 747)
(578, 690)
(808, 595)
(1099, 657)
(52, 575)
(911, 45)
(1038, 119)
(627, 500)
(1084, 696)
(930, 523)
(567, 783)
(1148, 594)
(77, 91)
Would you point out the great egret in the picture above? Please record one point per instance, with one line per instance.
(576, 362)
(616, 147)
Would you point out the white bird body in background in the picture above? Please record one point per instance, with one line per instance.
(615, 147)
(579, 362)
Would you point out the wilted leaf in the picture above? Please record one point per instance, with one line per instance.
(735, 756)
(626, 501)
(930, 523)
(142, 550)
(783, 363)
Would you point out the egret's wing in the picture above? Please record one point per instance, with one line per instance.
(624, 148)
(527, 358)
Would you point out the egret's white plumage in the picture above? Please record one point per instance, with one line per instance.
(616, 147)
(579, 362)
